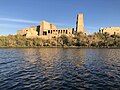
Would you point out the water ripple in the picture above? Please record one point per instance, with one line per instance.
(59, 69)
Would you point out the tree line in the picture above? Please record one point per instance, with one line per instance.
(96, 40)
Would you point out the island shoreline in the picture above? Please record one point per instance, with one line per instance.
(66, 47)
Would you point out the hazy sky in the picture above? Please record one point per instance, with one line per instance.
(18, 14)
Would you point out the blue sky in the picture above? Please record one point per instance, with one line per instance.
(18, 14)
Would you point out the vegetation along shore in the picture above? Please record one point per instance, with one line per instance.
(80, 40)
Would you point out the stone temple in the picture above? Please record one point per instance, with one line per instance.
(110, 30)
(80, 23)
(47, 30)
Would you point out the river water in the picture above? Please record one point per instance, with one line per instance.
(59, 69)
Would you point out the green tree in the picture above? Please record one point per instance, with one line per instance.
(63, 40)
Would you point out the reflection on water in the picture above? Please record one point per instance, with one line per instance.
(61, 69)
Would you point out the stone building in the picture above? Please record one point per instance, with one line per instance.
(48, 31)
(80, 23)
(31, 31)
(110, 30)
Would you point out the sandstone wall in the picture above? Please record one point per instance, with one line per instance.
(80, 23)
(31, 31)
(111, 30)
